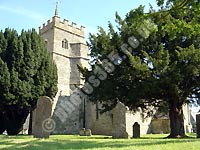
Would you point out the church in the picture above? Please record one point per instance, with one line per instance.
(66, 43)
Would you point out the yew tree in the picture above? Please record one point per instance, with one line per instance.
(27, 72)
(151, 59)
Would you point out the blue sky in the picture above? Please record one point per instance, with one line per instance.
(27, 14)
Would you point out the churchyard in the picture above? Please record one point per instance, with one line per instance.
(147, 68)
(75, 142)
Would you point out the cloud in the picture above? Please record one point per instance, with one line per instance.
(23, 12)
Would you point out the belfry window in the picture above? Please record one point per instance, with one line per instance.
(65, 44)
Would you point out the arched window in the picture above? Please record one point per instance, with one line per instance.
(65, 44)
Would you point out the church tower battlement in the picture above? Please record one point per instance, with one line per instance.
(63, 25)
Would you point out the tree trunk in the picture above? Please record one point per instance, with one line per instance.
(2, 123)
(176, 122)
(15, 120)
(31, 120)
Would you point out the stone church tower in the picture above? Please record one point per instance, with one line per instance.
(68, 48)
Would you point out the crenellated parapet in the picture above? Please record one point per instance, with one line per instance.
(45, 27)
(63, 25)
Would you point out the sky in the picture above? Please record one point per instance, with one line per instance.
(27, 14)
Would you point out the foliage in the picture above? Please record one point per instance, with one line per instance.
(27, 72)
(160, 67)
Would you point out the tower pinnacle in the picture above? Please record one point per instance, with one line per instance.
(56, 10)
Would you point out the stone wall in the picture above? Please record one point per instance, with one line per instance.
(160, 126)
(187, 118)
(143, 121)
(101, 124)
(118, 122)
(69, 121)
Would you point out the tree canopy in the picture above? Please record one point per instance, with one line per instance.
(152, 59)
(26, 73)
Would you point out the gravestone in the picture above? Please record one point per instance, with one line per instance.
(42, 124)
(198, 125)
(136, 130)
(88, 132)
(82, 132)
(119, 122)
(85, 132)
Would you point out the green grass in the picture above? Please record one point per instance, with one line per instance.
(67, 142)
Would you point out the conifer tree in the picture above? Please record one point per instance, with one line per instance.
(159, 67)
(27, 72)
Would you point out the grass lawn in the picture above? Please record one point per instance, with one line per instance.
(62, 142)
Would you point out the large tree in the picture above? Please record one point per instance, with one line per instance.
(26, 72)
(153, 59)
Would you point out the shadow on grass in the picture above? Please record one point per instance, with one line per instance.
(166, 137)
(52, 144)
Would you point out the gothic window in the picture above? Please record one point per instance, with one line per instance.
(65, 44)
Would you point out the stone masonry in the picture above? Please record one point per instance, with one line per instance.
(67, 45)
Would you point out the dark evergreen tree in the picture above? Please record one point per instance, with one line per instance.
(27, 72)
(4, 92)
(159, 66)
